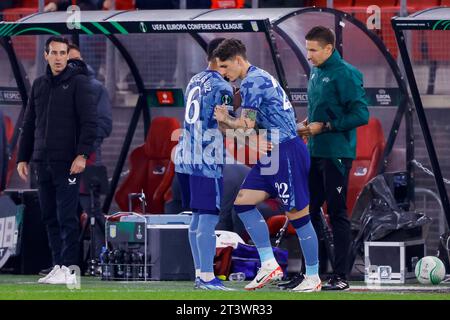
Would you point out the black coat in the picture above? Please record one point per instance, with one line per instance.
(61, 117)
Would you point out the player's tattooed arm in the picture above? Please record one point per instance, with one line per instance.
(246, 121)
(249, 118)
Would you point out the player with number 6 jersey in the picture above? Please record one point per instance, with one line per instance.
(265, 104)
(199, 159)
(205, 90)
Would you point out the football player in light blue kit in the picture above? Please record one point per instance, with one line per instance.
(265, 103)
(199, 161)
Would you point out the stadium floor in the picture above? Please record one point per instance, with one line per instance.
(20, 287)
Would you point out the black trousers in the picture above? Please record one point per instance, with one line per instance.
(58, 197)
(328, 181)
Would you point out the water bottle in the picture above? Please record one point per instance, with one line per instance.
(236, 276)
(112, 266)
(106, 266)
(118, 261)
(128, 267)
(140, 259)
(135, 266)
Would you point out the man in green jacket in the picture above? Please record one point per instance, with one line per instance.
(336, 107)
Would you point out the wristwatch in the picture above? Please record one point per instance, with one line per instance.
(85, 156)
(326, 127)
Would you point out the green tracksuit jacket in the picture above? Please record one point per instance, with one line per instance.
(336, 95)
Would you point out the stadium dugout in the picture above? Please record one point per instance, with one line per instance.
(275, 41)
(432, 26)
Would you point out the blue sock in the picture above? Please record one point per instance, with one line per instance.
(193, 240)
(206, 240)
(309, 244)
(257, 229)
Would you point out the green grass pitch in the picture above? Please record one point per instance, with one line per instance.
(20, 287)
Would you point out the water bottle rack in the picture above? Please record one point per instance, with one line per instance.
(125, 272)
(114, 267)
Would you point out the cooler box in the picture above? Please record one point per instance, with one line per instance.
(391, 262)
(165, 241)
(162, 219)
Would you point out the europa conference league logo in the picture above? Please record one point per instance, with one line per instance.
(143, 27)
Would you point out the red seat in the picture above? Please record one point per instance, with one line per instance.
(369, 152)
(336, 3)
(151, 168)
(227, 4)
(342, 3)
(275, 223)
(380, 3)
(417, 5)
(125, 5)
(31, 3)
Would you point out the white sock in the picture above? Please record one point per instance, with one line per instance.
(197, 273)
(207, 276)
(269, 264)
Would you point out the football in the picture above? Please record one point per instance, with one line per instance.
(430, 270)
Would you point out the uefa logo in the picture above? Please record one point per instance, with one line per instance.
(143, 27)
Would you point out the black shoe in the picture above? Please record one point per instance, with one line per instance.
(45, 272)
(292, 283)
(336, 283)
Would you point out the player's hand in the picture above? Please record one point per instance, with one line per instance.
(310, 130)
(50, 7)
(301, 125)
(78, 165)
(22, 169)
(304, 122)
(107, 5)
(260, 144)
(221, 113)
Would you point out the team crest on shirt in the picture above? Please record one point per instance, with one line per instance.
(226, 99)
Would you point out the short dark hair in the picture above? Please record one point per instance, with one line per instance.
(73, 46)
(212, 45)
(55, 39)
(229, 49)
(321, 34)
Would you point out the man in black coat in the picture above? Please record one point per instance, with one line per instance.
(58, 134)
(104, 128)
